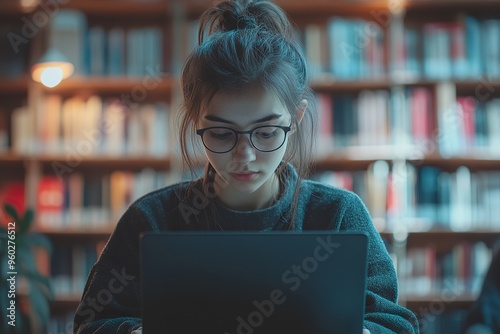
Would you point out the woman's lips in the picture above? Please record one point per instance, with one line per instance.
(247, 176)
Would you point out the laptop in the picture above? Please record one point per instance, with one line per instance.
(253, 282)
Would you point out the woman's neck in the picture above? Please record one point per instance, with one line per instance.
(263, 197)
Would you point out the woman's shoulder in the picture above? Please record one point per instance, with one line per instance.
(326, 191)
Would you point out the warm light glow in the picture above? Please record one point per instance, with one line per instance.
(52, 68)
(51, 76)
(28, 5)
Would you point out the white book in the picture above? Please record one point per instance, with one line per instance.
(381, 112)
(313, 48)
(66, 124)
(461, 200)
(399, 118)
(92, 132)
(377, 181)
(53, 105)
(450, 125)
(161, 130)
(148, 136)
(135, 133)
(79, 144)
(21, 137)
(367, 118)
(114, 127)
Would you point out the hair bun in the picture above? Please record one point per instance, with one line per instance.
(232, 21)
(230, 15)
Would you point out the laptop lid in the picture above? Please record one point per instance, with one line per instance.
(253, 282)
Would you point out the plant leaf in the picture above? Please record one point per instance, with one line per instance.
(12, 211)
(26, 221)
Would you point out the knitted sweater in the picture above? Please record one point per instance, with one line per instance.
(486, 309)
(111, 299)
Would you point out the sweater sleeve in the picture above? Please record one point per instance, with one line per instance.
(111, 299)
(485, 310)
(382, 312)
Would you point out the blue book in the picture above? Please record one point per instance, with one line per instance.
(473, 47)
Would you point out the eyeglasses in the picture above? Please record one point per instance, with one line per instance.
(263, 138)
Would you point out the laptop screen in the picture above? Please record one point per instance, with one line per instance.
(248, 282)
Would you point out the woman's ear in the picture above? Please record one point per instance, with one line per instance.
(301, 109)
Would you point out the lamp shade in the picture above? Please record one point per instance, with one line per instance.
(52, 68)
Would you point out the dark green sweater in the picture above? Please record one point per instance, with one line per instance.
(111, 299)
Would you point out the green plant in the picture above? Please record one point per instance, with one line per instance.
(32, 291)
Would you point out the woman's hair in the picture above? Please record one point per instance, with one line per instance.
(244, 44)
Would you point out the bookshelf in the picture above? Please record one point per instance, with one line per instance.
(53, 168)
(385, 76)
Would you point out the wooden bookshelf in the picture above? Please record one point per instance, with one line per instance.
(153, 10)
(75, 233)
(424, 302)
(422, 7)
(331, 85)
(34, 166)
(17, 86)
(157, 9)
(298, 9)
(473, 161)
(151, 86)
(445, 239)
(354, 158)
(110, 162)
(61, 304)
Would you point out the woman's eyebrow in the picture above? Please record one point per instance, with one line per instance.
(260, 120)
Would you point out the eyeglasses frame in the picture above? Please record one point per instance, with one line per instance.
(200, 133)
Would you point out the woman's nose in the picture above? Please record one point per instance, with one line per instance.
(244, 152)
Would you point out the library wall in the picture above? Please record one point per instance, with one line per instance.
(409, 109)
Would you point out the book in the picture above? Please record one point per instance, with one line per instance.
(67, 35)
(115, 51)
(21, 123)
(12, 192)
(50, 202)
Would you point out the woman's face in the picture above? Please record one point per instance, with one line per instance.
(246, 177)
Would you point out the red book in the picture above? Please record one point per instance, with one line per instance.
(421, 114)
(50, 201)
(13, 193)
(467, 111)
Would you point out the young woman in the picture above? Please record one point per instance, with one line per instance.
(484, 315)
(246, 98)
